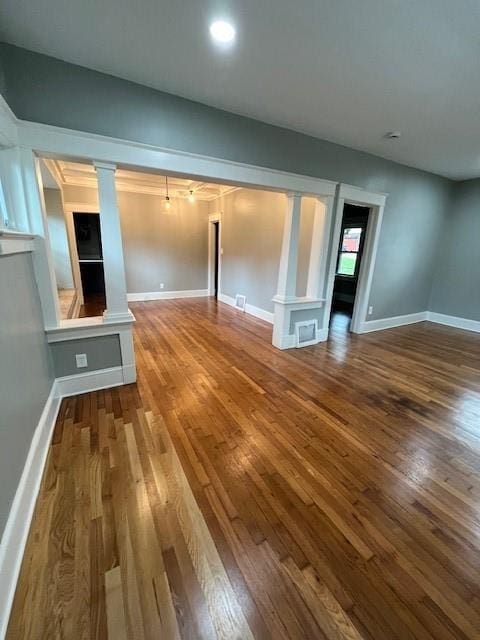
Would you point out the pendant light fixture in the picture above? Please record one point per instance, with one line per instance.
(191, 197)
(168, 204)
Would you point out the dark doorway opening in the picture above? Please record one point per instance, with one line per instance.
(90, 259)
(349, 259)
(216, 257)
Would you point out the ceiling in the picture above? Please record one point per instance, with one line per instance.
(56, 172)
(341, 70)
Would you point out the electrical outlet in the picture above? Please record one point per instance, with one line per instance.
(370, 311)
(162, 284)
(81, 359)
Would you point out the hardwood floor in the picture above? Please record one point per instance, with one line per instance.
(238, 491)
(94, 305)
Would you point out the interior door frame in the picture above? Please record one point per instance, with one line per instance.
(212, 219)
(69, 209)
(376, 203)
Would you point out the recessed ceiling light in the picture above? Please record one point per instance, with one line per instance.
(222, 32)
(393, 134)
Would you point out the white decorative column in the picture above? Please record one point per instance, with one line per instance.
(298, 320)
(319, 247)
(117, 310)
(113, 262)
(287, 272)
(35, 219)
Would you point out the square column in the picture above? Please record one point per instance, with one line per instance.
(113, 262)
(287, 272)
(319, 247)
(298, 320)
(28, 198)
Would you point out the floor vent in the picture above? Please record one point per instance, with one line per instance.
(306, 332)
(240, 302)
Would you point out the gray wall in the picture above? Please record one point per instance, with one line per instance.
(252, 228)
(26, 374)
(169, 247)
(456, 286)
(43, 89)
(252, 236)
(57, 231)
(102, 352)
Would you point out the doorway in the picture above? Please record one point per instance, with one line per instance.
(374, 203)
(216, 226)
(90, 261)
(214, 255)
(348, 263)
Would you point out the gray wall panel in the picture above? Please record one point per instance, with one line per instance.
(102, 352)
(456, 287)
(26, 374)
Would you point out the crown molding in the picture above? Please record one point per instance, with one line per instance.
(64, 178)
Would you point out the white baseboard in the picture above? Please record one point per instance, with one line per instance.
(286, 342)
(422, 316)
(16, 531)
(394, 321)
(167, 295)
(322, 335)
(454, 321)
(290, 341)
(252, 310)
(90, 381)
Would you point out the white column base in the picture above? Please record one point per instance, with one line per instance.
(128, 356)
(283, 337)
(109, 317)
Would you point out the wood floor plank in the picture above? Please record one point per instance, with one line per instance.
(238, 491)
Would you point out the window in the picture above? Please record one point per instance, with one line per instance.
(347, 262)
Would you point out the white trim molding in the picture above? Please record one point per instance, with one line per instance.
(79, 328)
(52, 141)
(394, 321)
(454, 321)
(90, 381)
(16, 531)
(283, 337)
(262, 314)
(422, 316)
(348, 194)
(12, 242)
(212, 218)
(167, 295)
